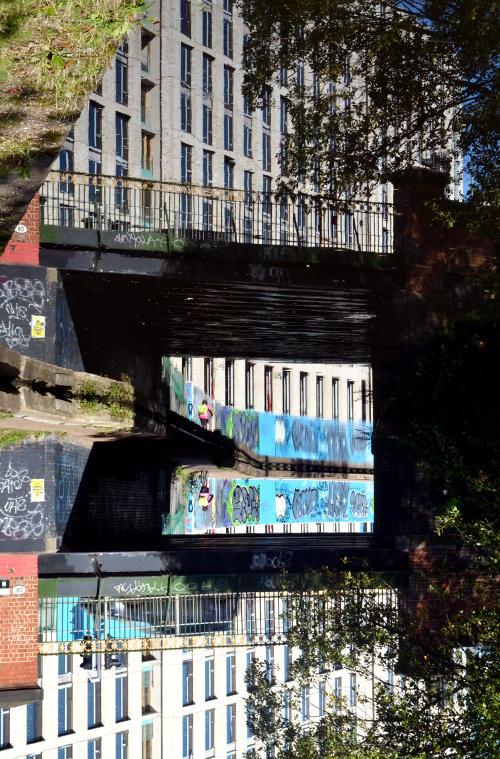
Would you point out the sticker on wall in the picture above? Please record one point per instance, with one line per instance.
(4, 587)
(19, 590)
(21, 229)
(37, 326)
(37, 490)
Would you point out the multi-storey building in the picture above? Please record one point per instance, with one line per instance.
(330, 391)
(179, 703)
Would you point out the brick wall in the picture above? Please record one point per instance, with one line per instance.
(19, 622)
(23, 247)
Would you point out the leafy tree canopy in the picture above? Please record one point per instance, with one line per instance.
(397, 83)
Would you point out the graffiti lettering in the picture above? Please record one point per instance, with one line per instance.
(303, 437)
(246, 506)
(360, 440)
(359, 504)
(338, 493)
(282, 560)
(337, 445)
(138, 587)
(13, 480)
(21, 527)
(304, 503)
(270, 273)
(138, 240)
(31, 292)
(245, 428)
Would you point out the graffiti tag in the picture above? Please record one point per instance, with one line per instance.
(359, 504)
(246, 505)
(303, 437)
(17, 297)
(304, 503)
(281, 560)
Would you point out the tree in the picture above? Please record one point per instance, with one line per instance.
(52, 55)
(395, 83)
(434, 676)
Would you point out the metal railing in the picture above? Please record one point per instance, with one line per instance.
(124, 205)
(164, 621)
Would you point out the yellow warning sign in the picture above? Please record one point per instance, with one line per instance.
(37, 326)
(37, 490)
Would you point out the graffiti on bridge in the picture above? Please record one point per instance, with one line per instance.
(241, 426)
(21, 301)
(21, 509)
(242, 505)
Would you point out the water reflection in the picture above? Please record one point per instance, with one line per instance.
(289, 415)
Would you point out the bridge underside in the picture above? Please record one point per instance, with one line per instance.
(151, 315)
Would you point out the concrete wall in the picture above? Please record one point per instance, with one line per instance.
(39, 479)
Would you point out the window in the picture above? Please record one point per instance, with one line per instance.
(228, 173)
(228, 131)
(335, 398)
(187, 369)
(230, 674)
(207, 74)
(269, 663)
(321, 699)
(187, 682)
(303, 393)
(266, 108)
(246, 107)
(94, 181)
(93, 703)
(286, 662)
(363, 400)
(300, 74)
(187, 736)
(146, 38)
(121, 744)
(287, 708)
(185, 112)
(186, 158)
(305, 704)
(207, 168)
(319, 396)
(145, 109)
(147, 152)
(338, 693)
(95, 126)
(121, 127)
(353, 699)
(209, 678)
(147, 687)
(207, 23)
(66, 165)
(207, 124)
(228, 37)
(66, 216)
(4, 728)
(64, 709)
(208, 377)
(94, 749)
(249, 387)
(147, 740)
(65, 752)
(266, 151)
(229, 395)
(228, 87)
(247, 140)
(186, 66)
(231, 723)
(121, 694)
(268, 388)
(33, 722)
(283, 115)
(121, 82)
(209, 729)
(350, 400)
(186, 17)
(286, 391)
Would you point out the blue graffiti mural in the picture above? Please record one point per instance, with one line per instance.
(243, 502)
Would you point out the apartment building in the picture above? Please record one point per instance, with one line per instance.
(179, 703)
(329, 391)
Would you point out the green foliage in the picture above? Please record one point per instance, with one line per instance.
(52, 54)
(10, 438)
(397, 83)
(446, 705)
(116, 400)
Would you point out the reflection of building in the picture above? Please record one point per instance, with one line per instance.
(331, 391)
(184, 703)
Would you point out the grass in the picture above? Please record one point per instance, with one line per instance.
(116, 400)
(52, 56)
(10, 438)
